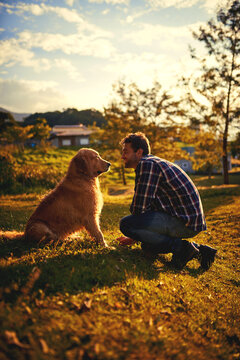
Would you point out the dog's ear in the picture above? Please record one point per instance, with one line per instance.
(81, 165)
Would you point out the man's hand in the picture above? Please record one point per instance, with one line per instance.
(124, 241)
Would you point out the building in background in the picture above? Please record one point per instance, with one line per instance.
(70, 135)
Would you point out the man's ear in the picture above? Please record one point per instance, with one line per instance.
(140, 153)
(81, 165)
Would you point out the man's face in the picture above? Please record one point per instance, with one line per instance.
(130, 157)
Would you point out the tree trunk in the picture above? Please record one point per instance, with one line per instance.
(225, 135)
(225, 162)
(123, 175)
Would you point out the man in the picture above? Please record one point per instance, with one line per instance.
(166, 207)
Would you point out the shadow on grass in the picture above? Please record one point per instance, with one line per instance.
(213, 198)
(75, 271)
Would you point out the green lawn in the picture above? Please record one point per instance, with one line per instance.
(80, 301)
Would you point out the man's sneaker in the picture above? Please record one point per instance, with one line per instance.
(186, 253)
(207, 256)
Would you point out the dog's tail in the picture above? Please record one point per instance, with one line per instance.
(11, 235)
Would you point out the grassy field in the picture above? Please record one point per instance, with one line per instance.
(80, 301)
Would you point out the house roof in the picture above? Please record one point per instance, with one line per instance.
(71, 130)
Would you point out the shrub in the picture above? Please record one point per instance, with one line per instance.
(33, 175)
(7, 173)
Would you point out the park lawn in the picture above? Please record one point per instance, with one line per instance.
(80, 301)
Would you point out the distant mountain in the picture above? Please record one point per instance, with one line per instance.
(17, 116)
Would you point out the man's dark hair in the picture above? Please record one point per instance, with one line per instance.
(137, 140)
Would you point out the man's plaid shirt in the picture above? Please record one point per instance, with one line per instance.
(163, 186)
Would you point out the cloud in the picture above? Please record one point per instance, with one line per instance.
(131, 18)
(210, 5)
(113, 2)
(105, 12)
(31, 96)
(170, 3)
(89, 40)
(12, 52)
(160, 36)
(69, 15)
(69, 2)
(79, 44)
(147, 67)
(71, 70)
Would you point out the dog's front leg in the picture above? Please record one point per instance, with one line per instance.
(95, 232)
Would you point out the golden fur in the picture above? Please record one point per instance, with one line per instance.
(76, 202)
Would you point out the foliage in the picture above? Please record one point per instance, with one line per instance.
(7, 174)
(152, 111)
(219, 82)
(78, 301)
(17, 134)
(6, 120)
(235, 146)
(40, 130)
(207, 150)
(35, 168)
(87, 117)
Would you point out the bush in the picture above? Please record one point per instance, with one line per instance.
(7, 173)
(33, 175)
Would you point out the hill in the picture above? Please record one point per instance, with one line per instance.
(17, 116)
(69, 117)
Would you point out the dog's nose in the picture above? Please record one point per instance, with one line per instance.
(109, 164)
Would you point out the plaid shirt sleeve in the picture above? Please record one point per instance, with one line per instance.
(146, 184)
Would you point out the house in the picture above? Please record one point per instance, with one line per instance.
(185, 164)
(70, 135)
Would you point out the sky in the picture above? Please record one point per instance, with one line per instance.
(60, 54)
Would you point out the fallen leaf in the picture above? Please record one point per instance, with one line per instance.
(12, 339)
(160, 328)
(126, 292)
(97, 348)
(28, 310)
(86, 306)
(44, 346)
(164, 312)
(118, 305)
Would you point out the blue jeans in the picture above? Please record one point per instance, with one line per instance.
(157, 231)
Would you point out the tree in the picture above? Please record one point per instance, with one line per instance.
(17, 134)
(235, 146)
(220, 76)
(152, 111)
(207, 155)
(40, 130)
(6, 120)
(68, 117)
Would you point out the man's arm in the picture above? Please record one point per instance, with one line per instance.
(147, 180)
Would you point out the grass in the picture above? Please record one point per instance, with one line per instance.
(78, 301)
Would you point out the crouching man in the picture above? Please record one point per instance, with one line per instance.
(165, 209)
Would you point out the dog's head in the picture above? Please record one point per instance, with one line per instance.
(90, 163)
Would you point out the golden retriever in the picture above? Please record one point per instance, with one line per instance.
(75, 203)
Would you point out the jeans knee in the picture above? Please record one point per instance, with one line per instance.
(122, 225)
(125, 225)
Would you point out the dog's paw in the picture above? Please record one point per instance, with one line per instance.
(108, 247)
